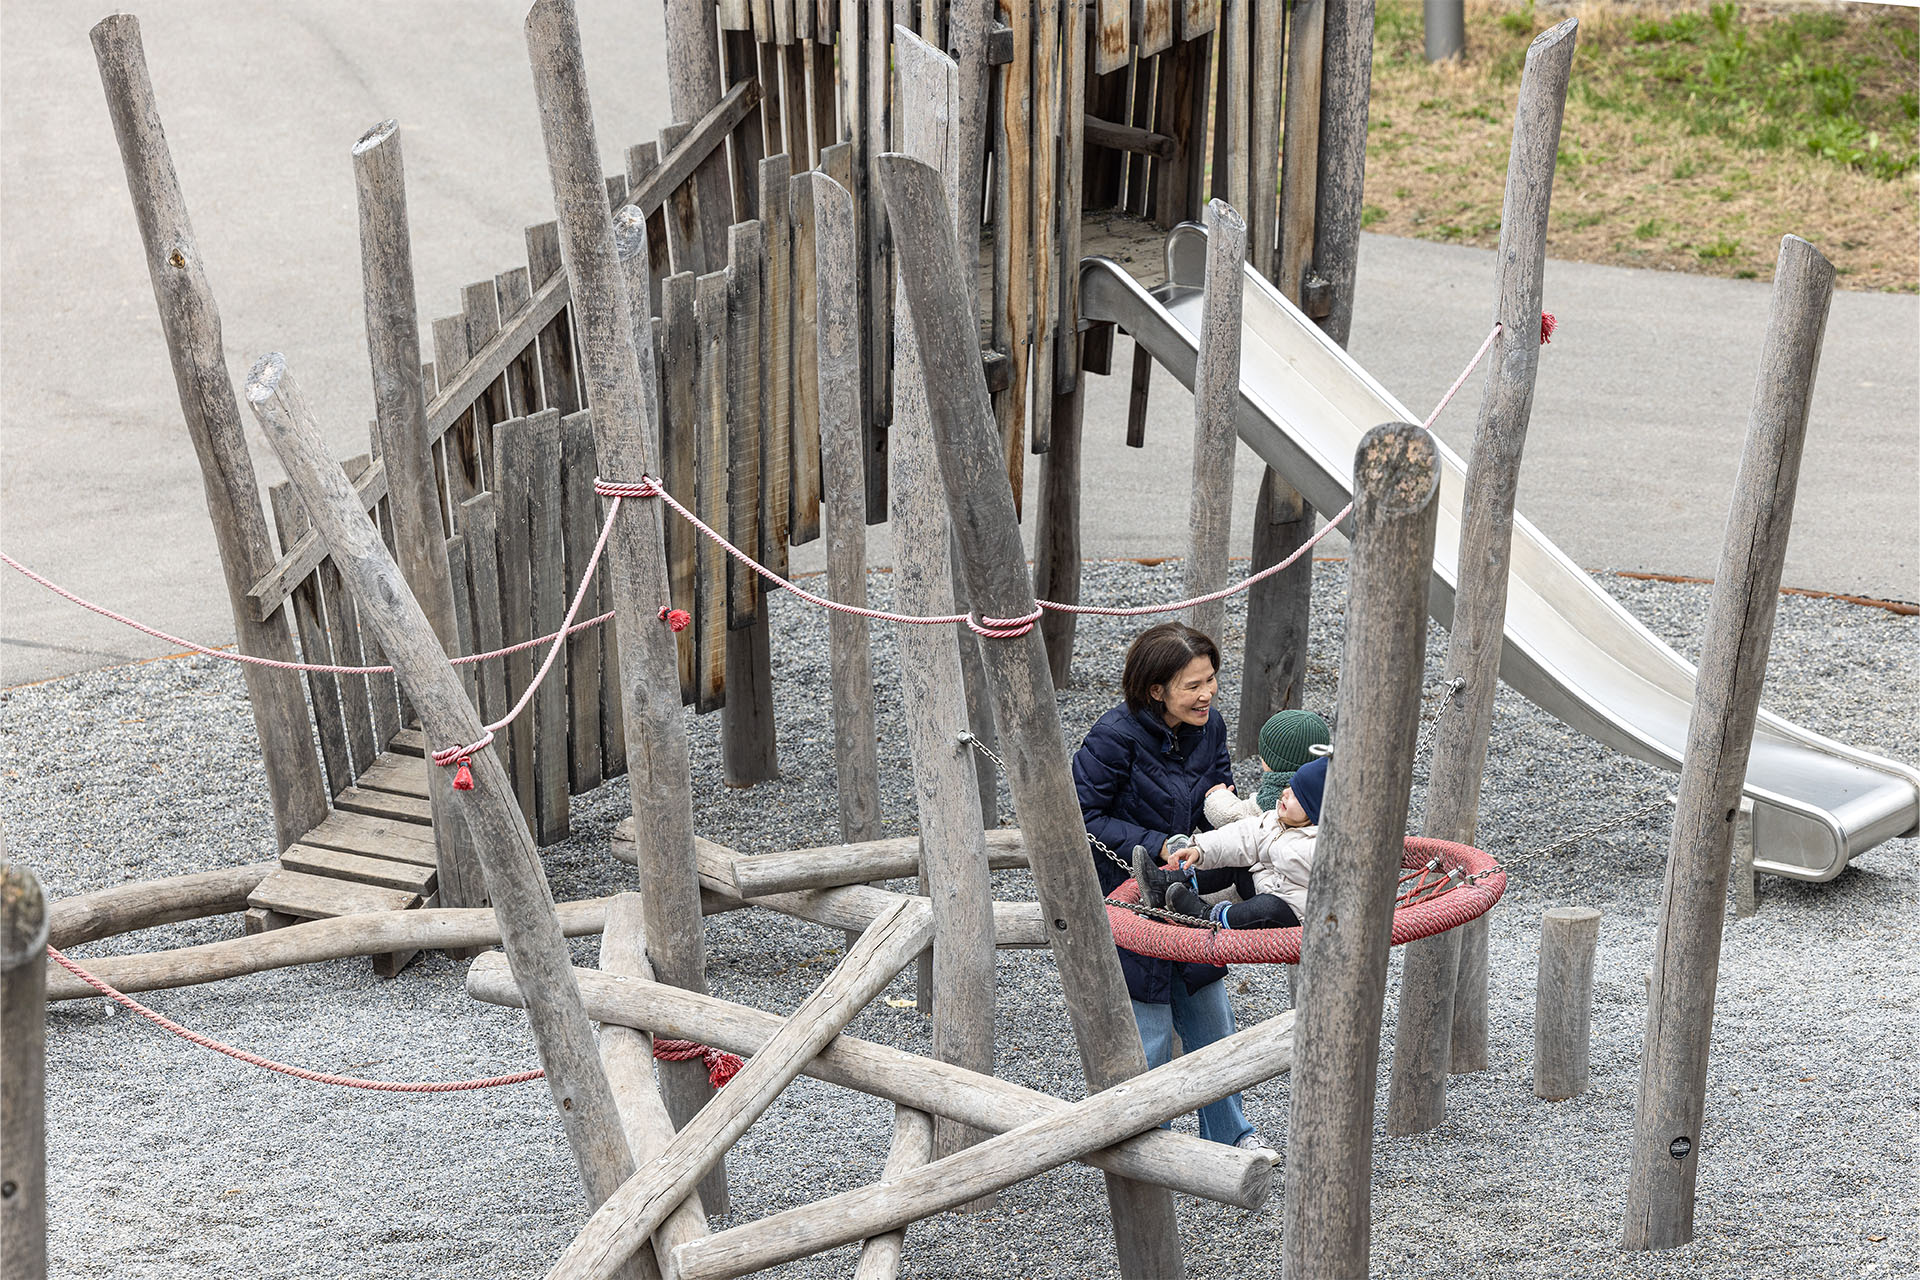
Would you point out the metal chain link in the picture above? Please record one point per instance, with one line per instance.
(968, 737)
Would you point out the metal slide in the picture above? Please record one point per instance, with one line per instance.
(1570, 647)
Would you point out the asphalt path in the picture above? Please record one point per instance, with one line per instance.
(1638, 422)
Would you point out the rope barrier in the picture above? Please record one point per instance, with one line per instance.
(721, 1065)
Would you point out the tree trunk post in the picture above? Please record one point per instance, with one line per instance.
(1442, 1022)
(1349, 915)
(1563, 1001)
(529, 928)
(659, 776)
(1216, 395)
(1733, 664)
(1345, 81)
(23, 1072)
(420, 530)
(191, 322)
(981, 510)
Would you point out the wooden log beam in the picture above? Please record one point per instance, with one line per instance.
(912, 1147)
(635, 1211)
(683, 161)
(981, 508)
(309, 942)
(1442, 1019)
(1216, 398)
(1180, 1161)
(1124, 137)
(23, 1072)
(1563, 1001)
(124, 908)
(627, 441)
(1237, 1062)
(857, 863)
(1733, 663)
(628, 1056)
(191, 322)
(515, 880)
(1349, 915)
(420, 527)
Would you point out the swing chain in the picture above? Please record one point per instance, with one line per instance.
(1141, 908)
(968, 738)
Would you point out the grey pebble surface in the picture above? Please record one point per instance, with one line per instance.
(167, 1160)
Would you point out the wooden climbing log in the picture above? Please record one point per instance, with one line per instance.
(1179, 1161)
(1442, 1020)
(1349, 915)
(982, 514)
(515, 881)
(912, 1147)
(1216, 397)
(124, 908)
(1733, 663)
(23, 1072)
(628, 1056)
(659, 777)
(857, 863)
(400, 414)
(1200, 1076)
(191, 322)
(309, 942)
(1563, 1001)
(635, 1211)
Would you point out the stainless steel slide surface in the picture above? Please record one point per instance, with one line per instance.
(1570, 646)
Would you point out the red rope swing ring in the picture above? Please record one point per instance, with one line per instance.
(1422, 918)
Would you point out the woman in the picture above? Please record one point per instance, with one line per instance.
(1143, 774)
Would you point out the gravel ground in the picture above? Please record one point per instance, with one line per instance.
(167, 1160)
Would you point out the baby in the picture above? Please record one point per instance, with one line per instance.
(1276, 846)
(1287, 741)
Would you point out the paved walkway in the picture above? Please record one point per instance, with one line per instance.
(1637, 426)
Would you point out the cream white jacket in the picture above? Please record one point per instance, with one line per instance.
(1279, 856)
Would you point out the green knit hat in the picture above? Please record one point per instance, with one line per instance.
(1285, 742)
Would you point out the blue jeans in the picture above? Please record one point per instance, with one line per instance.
(1201, 1017)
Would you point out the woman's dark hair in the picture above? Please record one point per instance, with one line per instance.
(1157, 655)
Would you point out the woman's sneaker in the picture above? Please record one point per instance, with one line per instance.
(1183, 901)
(1153, 880)
(1254, 1142)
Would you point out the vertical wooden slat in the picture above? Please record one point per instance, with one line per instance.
(735, 15)
(459, 460)
(679, 452)
(1072, 182)
(523, 373)
(878, 276)
(513, 481)
(458, 573)
(762, 11)
(559, 388)
(382, 690)
(1111, 37)
(480, 309)
(1263, 199)
(747, 145)
(793, 78)
(685, 248)
(480, 517)
(1146, 73)
(804, 444)
(745, 410)
(1182, 117)
(776, 364)
(289, 522)
(1231, 146)
(1046, 227)
(1197, 17)
(343, 626)
(710, 617)
(1156, 27)
(642, 159)
(551, 592)
(772, 109)
(1013, 155)
(822, 94)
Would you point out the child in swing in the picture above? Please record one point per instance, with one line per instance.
(1276, 847)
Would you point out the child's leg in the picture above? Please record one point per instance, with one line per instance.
(1261, 911)
(1239, 879)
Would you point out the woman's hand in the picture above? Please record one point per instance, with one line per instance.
(1221, 786)
(1180, 853)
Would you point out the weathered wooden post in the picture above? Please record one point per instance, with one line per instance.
(1349, 915)
(946, 783)
(419, 529)
(1216, 395)
(1563, 1001)
(1733, 663)
(23, 1072)
(1442, 1021)
(981, 507)
(529, 929)
(191, 323)
(824, 208)
(1346, 78)
(912, 1147)
(659, 776)
(693, 89)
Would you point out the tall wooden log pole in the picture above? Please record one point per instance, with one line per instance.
(1442, 1020)
(1346, 78)
(23, 1072)
(1349, 915)
(981, 507)
(191, 323)
(1216, 395)
(419, 529)
(529, 928)
(946, 785)
(659, 777)
(693, 89)
(1726, 701)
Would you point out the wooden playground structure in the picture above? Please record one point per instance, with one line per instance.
(844, 290)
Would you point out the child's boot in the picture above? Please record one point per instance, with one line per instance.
(1153, 880)
(1182, 900)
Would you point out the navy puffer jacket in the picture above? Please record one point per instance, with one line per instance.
(1140, 782)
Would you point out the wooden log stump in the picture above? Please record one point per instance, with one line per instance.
(23, 1072)
(1349, 916)
(1733, 663)
(1563, 1001)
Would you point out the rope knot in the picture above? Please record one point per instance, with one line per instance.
(1003, 628)
(645, 487)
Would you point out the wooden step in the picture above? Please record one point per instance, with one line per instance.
(373, 837)
(385, 804)
(319, 898)
(401, 775)
(409, 742)
(412, 877)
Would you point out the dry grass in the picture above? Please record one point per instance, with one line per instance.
(1648, 176)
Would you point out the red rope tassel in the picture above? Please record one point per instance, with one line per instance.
(721, 1065)
(1547, 325)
